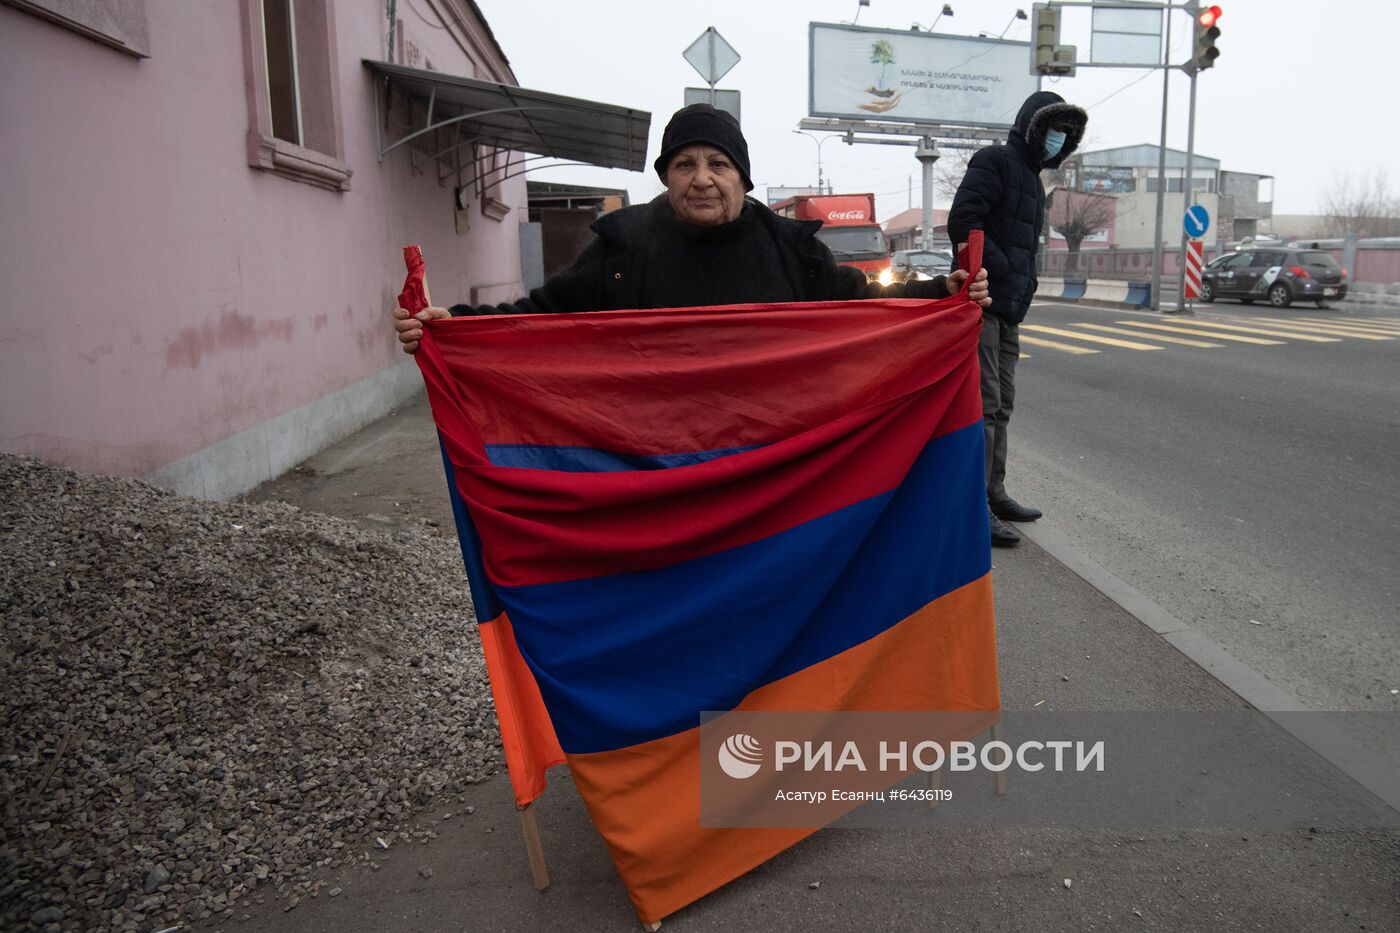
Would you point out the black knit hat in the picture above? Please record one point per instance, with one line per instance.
(701, 123)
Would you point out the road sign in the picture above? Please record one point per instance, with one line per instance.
(1194, 262)
(711, 56)
(1196, 221)
(722, 100)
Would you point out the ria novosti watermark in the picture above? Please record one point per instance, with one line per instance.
(741, 756)
(1033, 769)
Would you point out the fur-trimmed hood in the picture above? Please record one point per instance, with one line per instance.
(1038, 114)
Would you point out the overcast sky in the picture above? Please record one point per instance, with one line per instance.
(1302, 90)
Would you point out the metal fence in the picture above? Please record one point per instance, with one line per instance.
(1132, 265)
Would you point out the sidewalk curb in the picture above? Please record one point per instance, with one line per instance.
(1349, 757)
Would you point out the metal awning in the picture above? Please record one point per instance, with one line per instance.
(461, 112)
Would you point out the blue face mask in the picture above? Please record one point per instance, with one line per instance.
(1054, 142)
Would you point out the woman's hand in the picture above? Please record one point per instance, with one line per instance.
(410, 326)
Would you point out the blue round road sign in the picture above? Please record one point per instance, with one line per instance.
(1196, 221)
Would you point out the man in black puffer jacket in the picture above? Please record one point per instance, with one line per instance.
(1002, 196)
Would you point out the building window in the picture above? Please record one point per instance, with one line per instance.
(279, 34)
(293, 92)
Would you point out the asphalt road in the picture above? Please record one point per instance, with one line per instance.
(1250, 488)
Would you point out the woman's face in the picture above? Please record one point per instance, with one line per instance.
(704, 186)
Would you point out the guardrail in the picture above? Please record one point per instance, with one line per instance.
(1103, 291)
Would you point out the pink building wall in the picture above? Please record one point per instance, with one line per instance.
(1380, 266)
(173, 313)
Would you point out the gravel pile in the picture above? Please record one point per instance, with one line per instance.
(200, 700)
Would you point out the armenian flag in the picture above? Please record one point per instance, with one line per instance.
(747, 507)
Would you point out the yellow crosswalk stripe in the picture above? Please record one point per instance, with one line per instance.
(1341, 318)
(1160, 337)
(1324, 325)
(1107, 341)
(1053, 345)
(1336, 330)
(1178, 329)
(1381, 324)
(1265, 332)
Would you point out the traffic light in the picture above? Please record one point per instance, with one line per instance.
(1205, 53)
(1048, 57)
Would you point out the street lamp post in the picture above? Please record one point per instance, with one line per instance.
(1020, 14)
(946, 11)
(818, 140)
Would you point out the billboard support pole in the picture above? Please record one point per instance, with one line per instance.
(927, 154)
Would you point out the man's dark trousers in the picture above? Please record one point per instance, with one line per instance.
(997, 351)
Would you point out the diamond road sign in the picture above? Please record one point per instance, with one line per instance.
(711, 56)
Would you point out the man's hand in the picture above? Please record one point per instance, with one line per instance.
(977, 292)
(410, 326)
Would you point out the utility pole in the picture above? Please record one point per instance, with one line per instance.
(1188, 187)
(1161, 178)
(1203, 55)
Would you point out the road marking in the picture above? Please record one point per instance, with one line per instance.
(1052, 345)
(1268, 333)
(1108, 341)
(1163, 338)
(1338, 330)
(1178, 329)
(1382, 323)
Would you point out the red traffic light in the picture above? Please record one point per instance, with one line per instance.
(1208, 16)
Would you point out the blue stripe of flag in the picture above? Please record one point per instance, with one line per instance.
(633, 657)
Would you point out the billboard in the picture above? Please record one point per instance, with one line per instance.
(1107, 180)
(776, 193)
(860, 73)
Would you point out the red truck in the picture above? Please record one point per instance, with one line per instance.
(848, 229)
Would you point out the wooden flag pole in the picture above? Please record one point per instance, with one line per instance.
(533, 847)
(1001, 775)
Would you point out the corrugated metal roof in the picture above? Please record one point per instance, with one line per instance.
(1143, 155)
(912, 219)
(509, 117)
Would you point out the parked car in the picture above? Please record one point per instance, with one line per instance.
(1278, 275)
(920, 264)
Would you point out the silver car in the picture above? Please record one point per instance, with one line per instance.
(920, 264)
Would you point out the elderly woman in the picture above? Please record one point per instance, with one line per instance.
(701, 243)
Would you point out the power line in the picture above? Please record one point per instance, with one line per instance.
(1145, 75)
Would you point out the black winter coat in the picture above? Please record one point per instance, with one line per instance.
(1002, 196)
(608, 274)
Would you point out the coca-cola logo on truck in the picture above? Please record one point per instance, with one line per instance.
(846, 215)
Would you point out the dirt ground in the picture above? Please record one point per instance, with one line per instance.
(386, 475)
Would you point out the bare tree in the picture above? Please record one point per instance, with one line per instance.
(949, 170)
(1078, 215)
(1360, 204)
